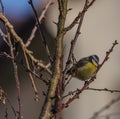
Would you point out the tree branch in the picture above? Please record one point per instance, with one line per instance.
(104, 90)
(46, 112)
(16, 77)
(41, 31)
(91, 89)
(35, 27)
(96, 114)
(80, 14)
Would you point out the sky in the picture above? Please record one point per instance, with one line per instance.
(18, 8)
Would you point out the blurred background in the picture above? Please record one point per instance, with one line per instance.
(100, 29)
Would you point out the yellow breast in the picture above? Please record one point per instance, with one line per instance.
(86, 71)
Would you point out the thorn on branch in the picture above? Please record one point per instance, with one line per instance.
(36, 98)
(104, 89)
(55, 23)
(39, 25)
(40, 20)
(115, 43)
(69, 9)
(44, 94)
(72, 41)
(68, 62)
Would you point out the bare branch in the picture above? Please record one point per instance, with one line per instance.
(108, 116)
(4, 54)
(35, 27)
(4, 36)
(80, 14)
(31, 77)
(104, 90)
(91, 89)
(41, 31)
(46, 112)
(35, 74)
(70, 93)
(16, 77)
(75, 21)
(112, 102)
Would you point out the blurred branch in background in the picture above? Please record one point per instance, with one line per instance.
(42, 16)
(39, 25)
(106, 107)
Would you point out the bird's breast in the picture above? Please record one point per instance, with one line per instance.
(86, 71)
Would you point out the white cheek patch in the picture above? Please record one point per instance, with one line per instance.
(94, 62)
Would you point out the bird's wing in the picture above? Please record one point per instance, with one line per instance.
(81, 62)
(71, 70)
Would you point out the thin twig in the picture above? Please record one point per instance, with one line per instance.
(75, 21)
(4, 36)
(91, 89)
(96, 114)
(35, 27)
(70, 93)
(16, 77)
(4, 54)
(11, 105)
(31, 77)
(68, 81)
(70, 100)
(104, 89)
(110, 115)
(41, 31)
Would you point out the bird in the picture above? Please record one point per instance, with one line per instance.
(85, 68)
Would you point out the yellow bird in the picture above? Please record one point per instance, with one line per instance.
(85, 68)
